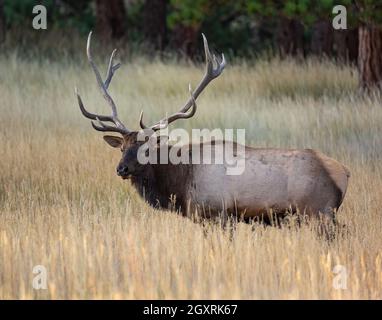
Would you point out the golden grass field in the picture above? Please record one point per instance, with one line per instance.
(62, 205)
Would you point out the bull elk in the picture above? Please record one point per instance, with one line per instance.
(276, 180)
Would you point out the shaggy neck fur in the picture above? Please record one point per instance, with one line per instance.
(164, 185)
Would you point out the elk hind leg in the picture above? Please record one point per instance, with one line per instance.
(327, 223)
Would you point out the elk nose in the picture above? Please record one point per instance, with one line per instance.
(122, 170)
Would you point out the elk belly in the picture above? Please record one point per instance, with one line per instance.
(264, 188)
(253, 192)
(272, 179)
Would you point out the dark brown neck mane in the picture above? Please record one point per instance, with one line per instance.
(164, 185)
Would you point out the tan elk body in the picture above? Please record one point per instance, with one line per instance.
(273, 179)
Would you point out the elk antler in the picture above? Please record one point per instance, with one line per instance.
(213, 69)
(103, 86)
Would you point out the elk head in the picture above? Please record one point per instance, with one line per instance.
(128, 141)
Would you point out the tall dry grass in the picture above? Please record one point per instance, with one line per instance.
(62, 205)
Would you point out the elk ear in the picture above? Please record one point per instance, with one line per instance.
(115, 142)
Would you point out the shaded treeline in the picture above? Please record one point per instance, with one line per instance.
(241, 28)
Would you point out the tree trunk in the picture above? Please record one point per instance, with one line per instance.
(290, 37)
(154, 19)
(110, 19)
(346, 45)
(322, 38)
(185, 39)
(369, 57)
(2, 23)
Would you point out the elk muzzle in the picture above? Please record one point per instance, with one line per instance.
(123, 170)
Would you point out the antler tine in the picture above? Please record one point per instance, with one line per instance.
(184, 115)
(211, 60)
(179, 115)
(111, 69)
(87, 114)
(103, 127)
(141, 121)
(103, 86)
(214, 68)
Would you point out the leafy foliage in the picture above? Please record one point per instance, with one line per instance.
(246, 25)
(307, 11)
(77, 14)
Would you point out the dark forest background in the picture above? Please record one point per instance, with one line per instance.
(242, 28)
